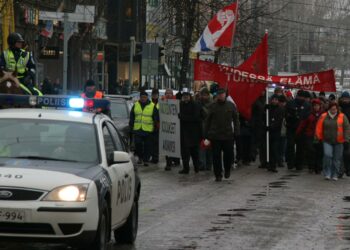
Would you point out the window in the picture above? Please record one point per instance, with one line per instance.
(66, 141)
(153, 3)
(109, 144)
(116, 137)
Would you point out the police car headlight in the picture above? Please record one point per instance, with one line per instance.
(68, 193)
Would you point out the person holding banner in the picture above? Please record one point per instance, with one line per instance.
(276, 115)
(144, 116)
(221, 126)
(170, 161)
(191, 132)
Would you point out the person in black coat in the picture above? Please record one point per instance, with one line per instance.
(190, 131)
(344, 104)
(296, 110)
(47, 88)
(258, 128)
(276, 115)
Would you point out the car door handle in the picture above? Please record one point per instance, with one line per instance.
(126, 175)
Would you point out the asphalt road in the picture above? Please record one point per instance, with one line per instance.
(254, 209)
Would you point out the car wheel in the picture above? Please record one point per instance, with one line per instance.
(103, 231)
(127, 233)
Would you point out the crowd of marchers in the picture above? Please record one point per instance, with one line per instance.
(306, 131)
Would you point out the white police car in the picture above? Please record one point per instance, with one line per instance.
(65, 175)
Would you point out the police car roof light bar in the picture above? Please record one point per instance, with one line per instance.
(58, 102)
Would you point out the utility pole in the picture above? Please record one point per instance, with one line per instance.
(132, 52)
(298, 47)
(65, 52)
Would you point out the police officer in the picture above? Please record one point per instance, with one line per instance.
(16, 59)
(90, 90)
(144, 117)
(155, 135)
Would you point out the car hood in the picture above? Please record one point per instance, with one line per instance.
(44, 175)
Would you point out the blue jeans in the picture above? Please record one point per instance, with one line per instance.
(332, 156)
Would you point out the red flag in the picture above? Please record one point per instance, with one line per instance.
(243, 90)
(246, 91)
(219, 31)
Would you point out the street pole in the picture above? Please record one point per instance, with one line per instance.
(65, 53)
(132, 44)
(298, 49)
(289, 53)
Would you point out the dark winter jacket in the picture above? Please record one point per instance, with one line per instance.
(258, 114)
(222, 122)
(307, 127)
(204, 111)
(276, 115)
(345, 108)
(296, 111)
(190, 123)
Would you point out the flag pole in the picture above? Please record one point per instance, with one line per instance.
(233, 32)
(232, 38)
(267, 123)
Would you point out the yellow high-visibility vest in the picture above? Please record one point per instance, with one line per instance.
(143, 118)
(20, 65)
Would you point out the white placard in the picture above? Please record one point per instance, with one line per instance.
(169, 129)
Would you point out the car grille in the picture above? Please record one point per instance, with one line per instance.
(26, 228)
(19, 194)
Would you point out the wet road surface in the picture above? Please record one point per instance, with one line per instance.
(254, 209)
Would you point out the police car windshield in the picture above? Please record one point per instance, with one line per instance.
(49, 140)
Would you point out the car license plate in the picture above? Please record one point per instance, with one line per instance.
(12, 215)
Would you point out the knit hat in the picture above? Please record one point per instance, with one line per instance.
(345, 94)
(143, 93)
(306, 94)
(331, 97)
(155, 91)
(90, 83)
(289, 93)
(316, 101)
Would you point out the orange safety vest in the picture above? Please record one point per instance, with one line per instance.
(98, 95)
(340, 128)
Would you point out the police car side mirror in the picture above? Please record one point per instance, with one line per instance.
(120, 157)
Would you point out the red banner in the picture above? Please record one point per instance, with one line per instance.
(246, 84)
(318, 81)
